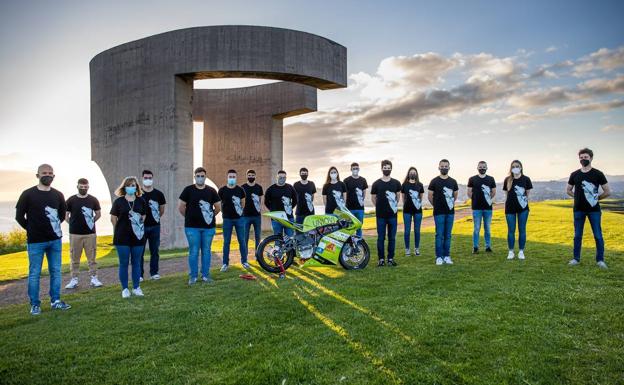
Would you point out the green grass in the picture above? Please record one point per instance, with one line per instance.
(484, 320)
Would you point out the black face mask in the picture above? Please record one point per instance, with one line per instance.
(444, 171)
(386, 172)
(412, 176)
(585, 162)
(46, 180)
(83, 191)
(304, 176)
(251, 179)
(482, 171)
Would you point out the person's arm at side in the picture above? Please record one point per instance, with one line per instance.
(374, 199)
(570, 190)
(20, 211)
(606, 191)
(63, 209)
(161, 209)
(114, 220)
(493, 193)
(469, 192)
(217, 208)
(430, 196)
(98, 215)
(267, 199)
(182, 207)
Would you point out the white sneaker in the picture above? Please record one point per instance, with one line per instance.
(224, 268)
(448, 260)
(95, 282)
(602, 265)
(511, 255)
(573, 262)
(416, 251)
(125, 293)
(72, 283)
(246, 266)
(155, 277)
(439, 261)
(521, 254)
(140, 279)
(138, 292)
(407, 252)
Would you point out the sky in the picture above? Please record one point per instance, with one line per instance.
(463, 80)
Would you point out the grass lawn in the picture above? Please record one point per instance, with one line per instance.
(484, 320)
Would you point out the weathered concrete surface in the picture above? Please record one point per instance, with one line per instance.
(142, 92)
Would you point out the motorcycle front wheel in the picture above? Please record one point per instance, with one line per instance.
(269, 250)
(355, 256)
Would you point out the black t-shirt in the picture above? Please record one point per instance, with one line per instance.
(304, 197)
(130, 229)
(355, 192)
(44, 211)
(82, 214)
(481, 192)
(199, 206)
(412, 204)
(443, 197)
(517, 200)
(333, 192)
(154, 200)
(252, 208)
(586, 189)
(231, 206)
(387, 197)
(281, 198)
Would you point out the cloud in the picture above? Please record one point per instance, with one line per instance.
(613, 128)
(552, 48)
(602, 60)
(565, 110)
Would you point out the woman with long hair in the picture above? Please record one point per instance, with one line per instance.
(412, 191)
(333, 191)
(517, 185)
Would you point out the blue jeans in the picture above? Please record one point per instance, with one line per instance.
(299, 219)
(52, 250)
(521, 218)
(278, 228)
(359, 214)
(199, 238)
(443, 230)
(256, 221)
(486, 215)
(407, 220)
(579, 224)
(239, 225)
(152, 235)
(129, 254)
(383, 225)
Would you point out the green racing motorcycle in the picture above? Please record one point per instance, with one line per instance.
(322, 240)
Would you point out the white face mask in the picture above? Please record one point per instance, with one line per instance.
(148, 182)
(333, 175)
(516, 170)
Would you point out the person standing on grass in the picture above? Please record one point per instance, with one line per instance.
(253, 207)
(384, 194)
(481, 191)
(333, 192)
(517, 185)
(232, 201)
(128, 218)
(199, 204)
(412, 191)
(583, 187)
(356, 192)
(281, 196)
(442, 195)
(156, 202)
(83, 210)
(40, 211)
(305, 196)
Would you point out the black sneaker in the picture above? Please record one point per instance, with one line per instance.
(488, 249)
(381, 263)
(475, 250)
(60, 305)
(391, 262)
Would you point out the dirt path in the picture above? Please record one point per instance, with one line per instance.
(15, 292)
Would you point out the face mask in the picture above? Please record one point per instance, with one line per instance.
(251, 179)
(281, 180)
(231, 181)
(200, 180)
(482, 171)
(130, 190)
(412, 176)
(386, 172)
(83, 191)
(585, 162)
(304, 176)
(148, 182)
(355, 172)
(46, 180)
(444, 171)
(333, 175)
(516, 170)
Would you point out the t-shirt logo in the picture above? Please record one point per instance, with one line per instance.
(339, 201)
(287, 204)
(521, 195)
(137, 224)
(237, 205)
(448, 195)
(256, 201)
(392, 201)
(155, 208)
(360, 196)
(89, 217)
(487, 193)
(590, 191)
(206, 210)
(52, 215)
(415, 200)
(308, 199)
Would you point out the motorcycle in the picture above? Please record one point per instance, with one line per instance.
(322, 240)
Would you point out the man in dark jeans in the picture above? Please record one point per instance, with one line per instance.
(583, 187)
(155, 201)
(442, 196)
(385, 197)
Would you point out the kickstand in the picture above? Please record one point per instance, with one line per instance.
(282, 274)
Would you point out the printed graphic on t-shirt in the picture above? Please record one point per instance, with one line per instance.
(591, 193)
(137, 224)
(415, 200)
(89, 217)
(521, 195)
(360, 195)
(392, 201)
(237, 205)
(155, 207)
(55, 222)
(206, 210)
(487, 193)
(287, 205)
(339, 201)
(309, 203)
(448, 195)
(256, 201)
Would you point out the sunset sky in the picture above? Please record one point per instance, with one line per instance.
(463, 80)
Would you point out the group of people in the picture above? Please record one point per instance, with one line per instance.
(137, 211)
